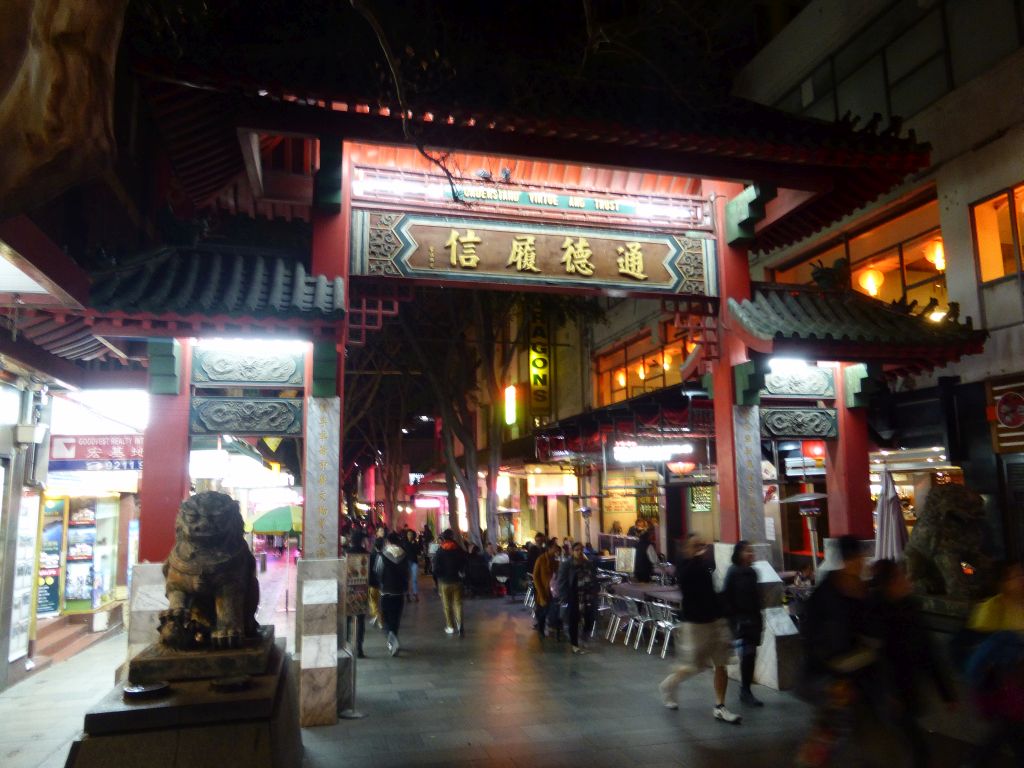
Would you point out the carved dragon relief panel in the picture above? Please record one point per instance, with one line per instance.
(227, 368)
(246, 416)
(799, 422)
(692, 265)
(806, 382)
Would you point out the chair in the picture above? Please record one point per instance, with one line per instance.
(620, 617)
(604, 605)
(665, 622)
(646, 619)
(638, 618)
(530, 598)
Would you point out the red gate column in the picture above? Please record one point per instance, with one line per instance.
(325, 387)
(165, 472)
(847, 468)
(733, 282)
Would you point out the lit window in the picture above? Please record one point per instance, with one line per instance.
(993, 237)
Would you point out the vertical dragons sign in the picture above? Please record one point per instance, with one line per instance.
(541, 375)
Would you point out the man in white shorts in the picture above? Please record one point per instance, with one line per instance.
(704, 638)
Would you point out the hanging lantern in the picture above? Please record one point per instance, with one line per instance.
(641, 371)
(666, 361)
(935, 252)
(871, 280)
(620, 379)
(815, 450)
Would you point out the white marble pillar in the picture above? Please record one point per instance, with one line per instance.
(318, 676)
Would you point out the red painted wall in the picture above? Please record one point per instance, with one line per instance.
(847, 470)
(733, 282)
(165, 475)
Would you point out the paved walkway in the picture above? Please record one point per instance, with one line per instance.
(496, 698)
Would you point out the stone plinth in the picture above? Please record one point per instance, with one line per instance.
(146, 602)
(318, 676)
(158, 662)
(194, 726)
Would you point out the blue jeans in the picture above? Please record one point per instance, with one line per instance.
(414, 586)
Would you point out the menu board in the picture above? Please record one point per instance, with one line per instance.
(81, 547)
(24, 574)
(357, 566)
(48, 589)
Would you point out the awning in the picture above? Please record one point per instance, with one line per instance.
(279, 520)
(814, 323)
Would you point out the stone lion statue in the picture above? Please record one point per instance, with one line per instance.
(211, 577)
(945, 553)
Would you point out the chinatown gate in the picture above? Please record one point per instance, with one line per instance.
(484, 199)
(591, 208)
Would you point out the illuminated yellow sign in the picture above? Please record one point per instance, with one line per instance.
(540, 367)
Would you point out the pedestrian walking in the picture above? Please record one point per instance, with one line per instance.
(577, 591)
(905, 657)
(544, 571)
(427, 548)
(742, 603)
(412, 553)
(704, 634)
(449, 567)
(837, 656)
(394, 581)
(373, 582)
(995, 668)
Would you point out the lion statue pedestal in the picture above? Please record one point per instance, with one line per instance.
(216, 689)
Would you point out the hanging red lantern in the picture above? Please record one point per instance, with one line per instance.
(814, 449)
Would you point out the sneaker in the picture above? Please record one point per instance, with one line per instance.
(748, 699)
(668, 697)
(579, 650)
(723, 714)
(449, 630)
(392, 643)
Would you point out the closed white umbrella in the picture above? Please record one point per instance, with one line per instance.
(891, 537)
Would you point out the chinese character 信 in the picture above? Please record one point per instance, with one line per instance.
(577, 256)
(631, 261)
(523, 254)
(465, 257)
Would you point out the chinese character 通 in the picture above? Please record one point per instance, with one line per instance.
(523, 254)
(577, 256)
(466, 258)
(631, 261)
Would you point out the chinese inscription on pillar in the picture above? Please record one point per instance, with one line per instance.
(320, 520)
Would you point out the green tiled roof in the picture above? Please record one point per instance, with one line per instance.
(791, 316)
(217, 281)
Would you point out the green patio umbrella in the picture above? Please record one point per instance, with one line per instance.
(279, 520)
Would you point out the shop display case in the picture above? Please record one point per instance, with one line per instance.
(24, 574)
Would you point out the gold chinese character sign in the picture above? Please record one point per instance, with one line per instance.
(445, 249)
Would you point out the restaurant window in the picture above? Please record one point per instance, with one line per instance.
(903, 258)
(641, 366)
(995, 239)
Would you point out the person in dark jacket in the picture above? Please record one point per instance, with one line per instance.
(646, 556)
(837, 655)
(905, 656)
(577, 590)
(394, 581)
(742, 603)
(412, 555)
(449, 566)
(704, 633)
(373, 580)
(426, 539)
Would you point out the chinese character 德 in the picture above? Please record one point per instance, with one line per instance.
(631, 261)
(523, 254)
(466, 257)
(577, 256)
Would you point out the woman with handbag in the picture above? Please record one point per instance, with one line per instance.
(742, 604)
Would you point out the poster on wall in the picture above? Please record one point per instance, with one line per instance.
(50, 547)
(24, 574)
(81, 548)
(357, 567)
